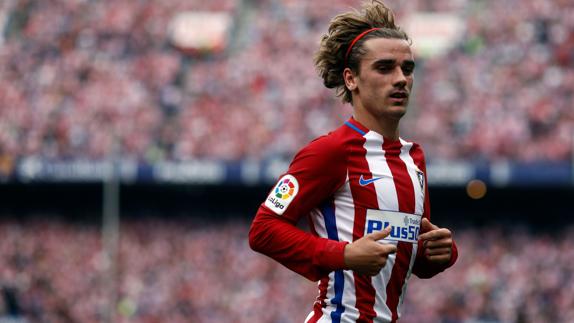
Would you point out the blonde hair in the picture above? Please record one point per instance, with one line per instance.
(330, 59)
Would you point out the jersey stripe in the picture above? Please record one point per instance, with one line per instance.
(389, 182)
(326, 286)
(408, 275)
(328, 211)
(387, 200)
(403, 184)
(364, 290)
(319, 303)
(406, 150)
(378, 165)
(406, 200)
(408, 158)
(344, 210)
(317, 312)
(338, 299)
(416, 155)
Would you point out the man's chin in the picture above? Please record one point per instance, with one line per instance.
(397, 111)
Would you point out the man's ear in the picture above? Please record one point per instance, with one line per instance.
(350, 79)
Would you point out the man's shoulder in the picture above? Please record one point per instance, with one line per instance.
(333, 143)
(324, 158)
(416, 152)
(415, 147)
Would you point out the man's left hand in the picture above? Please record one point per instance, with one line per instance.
(437, 242)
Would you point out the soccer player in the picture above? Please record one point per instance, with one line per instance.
(362, 187)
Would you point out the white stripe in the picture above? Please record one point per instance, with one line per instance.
(345, 215)
(419, 209)
(321, 229)
(326, 318)
(407, 277)
(345, 212)
(329, 295)
(380, 283)
(412, 169)
(387, 200)
(385, 187)
(319, 223)
(344, 219)
(310, 316)
(351, 313)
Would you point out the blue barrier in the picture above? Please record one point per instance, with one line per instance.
(203, 171)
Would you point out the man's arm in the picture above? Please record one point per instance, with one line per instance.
(315, 257)
(436, 252)
(314, 176)
(436, 248)
(300, 251)
(315, 173)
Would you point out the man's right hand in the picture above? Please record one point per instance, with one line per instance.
(366, 256)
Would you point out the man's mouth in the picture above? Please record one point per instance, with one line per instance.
(399, 95)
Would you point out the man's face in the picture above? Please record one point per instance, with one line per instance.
(385, 78)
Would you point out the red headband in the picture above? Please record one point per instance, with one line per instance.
(361, 35)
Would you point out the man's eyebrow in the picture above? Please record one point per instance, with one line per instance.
(385, 61)
(409, 62)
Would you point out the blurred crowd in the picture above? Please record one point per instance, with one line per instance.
(77, 75)
(181, 271)
(505, 91)
(189, 271)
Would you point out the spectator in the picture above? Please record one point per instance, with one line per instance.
(205, 272)
(76, 75)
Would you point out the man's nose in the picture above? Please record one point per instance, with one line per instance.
(399, 78)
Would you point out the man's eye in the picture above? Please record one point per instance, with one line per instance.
(408, 70)
(385, 68)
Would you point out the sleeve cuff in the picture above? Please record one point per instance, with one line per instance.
(454, 255)
(330, 254)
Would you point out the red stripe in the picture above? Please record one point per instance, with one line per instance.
(401, 177)
(320, 302)
(406, 198)
(364, 290)
(323, 283)
(419, 159)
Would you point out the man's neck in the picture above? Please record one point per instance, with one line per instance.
(388, 128)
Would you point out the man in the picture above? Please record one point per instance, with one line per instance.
(362, 187)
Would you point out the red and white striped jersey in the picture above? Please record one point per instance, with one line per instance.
(338, 181)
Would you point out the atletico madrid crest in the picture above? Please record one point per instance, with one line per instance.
(421, 177)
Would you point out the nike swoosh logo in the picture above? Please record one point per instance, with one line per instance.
(364, 182)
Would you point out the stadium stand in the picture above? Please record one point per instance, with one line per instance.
(76, 74)
(205, 272)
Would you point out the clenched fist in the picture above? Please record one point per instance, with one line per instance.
(437, 242)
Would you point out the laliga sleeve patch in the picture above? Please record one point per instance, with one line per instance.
(282, 194)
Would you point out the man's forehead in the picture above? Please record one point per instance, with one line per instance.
(387, 49)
